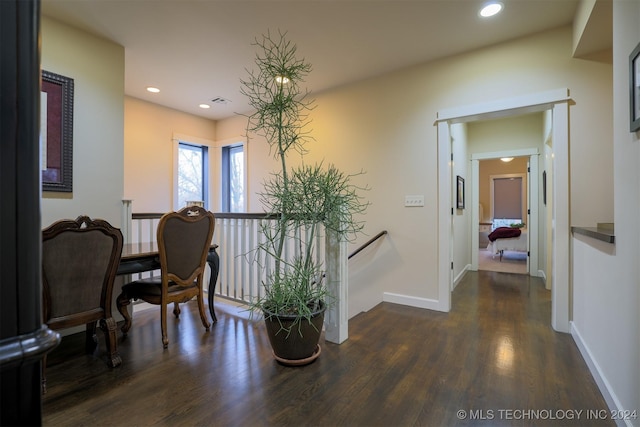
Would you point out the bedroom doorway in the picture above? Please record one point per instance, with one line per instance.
(556, 104)
(505, 197)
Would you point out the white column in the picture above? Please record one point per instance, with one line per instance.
(336, 318)
(561, 227)
(475, 212)
(445, 234)
(125, 227)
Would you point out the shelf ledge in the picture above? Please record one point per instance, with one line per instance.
(603, 231)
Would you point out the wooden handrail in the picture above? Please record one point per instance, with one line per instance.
(237, 215)
(221, 215)
(146, 215)
(257, 215)
(370, 241)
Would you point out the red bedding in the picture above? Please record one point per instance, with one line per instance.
(504, 233)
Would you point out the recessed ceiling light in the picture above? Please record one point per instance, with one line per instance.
(205, 106)
(282, 80)
(490, 9)
(506, 159)
(153, 89)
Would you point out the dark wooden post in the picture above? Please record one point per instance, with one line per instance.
(23, 339)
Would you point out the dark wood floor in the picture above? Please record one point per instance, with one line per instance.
(494, 358)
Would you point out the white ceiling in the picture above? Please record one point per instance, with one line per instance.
(196, 50)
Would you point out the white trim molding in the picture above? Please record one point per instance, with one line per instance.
(238, 140)
(411, 301)
(557, 101)
(177, 138)
(603, 384)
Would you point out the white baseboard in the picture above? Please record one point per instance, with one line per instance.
(427, 303)
(542, 275)
(605, 388)
(460, 276)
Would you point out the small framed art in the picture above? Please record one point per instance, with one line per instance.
(460, 192)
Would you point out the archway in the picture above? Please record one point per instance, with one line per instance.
(557, 101)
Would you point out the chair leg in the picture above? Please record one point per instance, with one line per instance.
(122, 302)
(44, 377)
(91, 340)
(203, 313)
(108, 327)
(176, 309)
(214, 264)
(163, 324)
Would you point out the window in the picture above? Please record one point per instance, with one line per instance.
(508, 196)
(233, 178)
(192, 174)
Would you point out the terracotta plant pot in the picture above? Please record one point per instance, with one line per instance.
(301, 346)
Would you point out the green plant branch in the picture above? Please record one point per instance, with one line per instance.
(303, 197)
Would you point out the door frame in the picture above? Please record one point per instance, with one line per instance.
(557, 101)
(533, 155)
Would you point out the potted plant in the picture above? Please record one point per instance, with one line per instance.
(300, 200)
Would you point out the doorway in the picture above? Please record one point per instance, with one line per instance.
(557, 103)
(503, 202)
(529, 208)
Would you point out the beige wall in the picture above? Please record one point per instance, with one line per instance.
(385, 126)
(149, 152)
(511, 133)
(97, 68)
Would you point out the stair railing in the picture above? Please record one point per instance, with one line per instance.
(367, 243)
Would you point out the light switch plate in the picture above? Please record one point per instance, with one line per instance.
(414, 201)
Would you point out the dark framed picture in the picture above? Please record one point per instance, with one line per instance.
(634, 88)
(56, 132)
(460, 192)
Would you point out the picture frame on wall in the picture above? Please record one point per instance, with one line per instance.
(634, 89)
(56, 132)
(460, 192)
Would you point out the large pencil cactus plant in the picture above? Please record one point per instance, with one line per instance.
(301, 198)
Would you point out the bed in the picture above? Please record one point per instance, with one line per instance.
(518, 244)
(499, 245)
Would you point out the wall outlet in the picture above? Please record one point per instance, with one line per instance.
(414, 201)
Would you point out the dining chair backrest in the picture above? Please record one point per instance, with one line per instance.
(184, 239)
(79, 263)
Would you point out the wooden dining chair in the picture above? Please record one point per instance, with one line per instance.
(79, 263)
(184, 239)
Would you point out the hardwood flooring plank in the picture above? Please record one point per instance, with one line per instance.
(494, 352)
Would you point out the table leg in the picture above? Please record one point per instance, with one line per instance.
(214, 263)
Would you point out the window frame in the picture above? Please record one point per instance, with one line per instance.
(208, 145)
(225, 184)
(224, 147)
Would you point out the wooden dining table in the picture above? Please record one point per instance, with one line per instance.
(141, 257)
